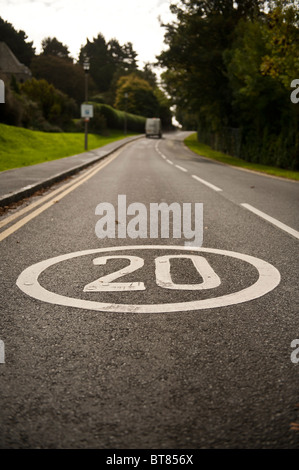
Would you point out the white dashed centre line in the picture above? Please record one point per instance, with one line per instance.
(210, 185)
(181, 168)
(261, 214)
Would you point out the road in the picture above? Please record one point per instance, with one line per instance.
(193, 351)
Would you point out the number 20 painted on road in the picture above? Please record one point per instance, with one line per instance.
(269, 278)
(162, 272)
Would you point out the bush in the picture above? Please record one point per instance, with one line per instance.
(115, 119)
(98, 124)
(56, 107)
(98, 99)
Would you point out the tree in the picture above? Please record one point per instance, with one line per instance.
(130, 56)
(63, 74)
(148, 74)
(229, 66)
(108, 60)
(261, 93)
(53, 47)
(164, 112)
(196, 77)
(282, 36)
(17, 42)
(100, 66)
(136, 96)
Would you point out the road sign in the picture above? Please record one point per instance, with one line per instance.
(269, 278)
(2, 92)
(86, 111)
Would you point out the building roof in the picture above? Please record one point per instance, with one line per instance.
(9, 64)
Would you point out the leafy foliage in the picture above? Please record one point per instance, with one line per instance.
(107, 58)
(63, 74)
(51, 99)
(17, 42)
(56, 107)
(229, 66)
(115, 119)
(53, 47)
(135, 95)
(281, 61)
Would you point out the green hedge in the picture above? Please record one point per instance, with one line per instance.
(107, 117)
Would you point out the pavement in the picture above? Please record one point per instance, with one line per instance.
(18, 183)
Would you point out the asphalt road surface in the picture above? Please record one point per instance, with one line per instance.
(184, 347)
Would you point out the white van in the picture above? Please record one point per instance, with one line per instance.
(153, 127)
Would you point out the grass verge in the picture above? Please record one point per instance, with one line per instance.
(22, 147)
(206, 151)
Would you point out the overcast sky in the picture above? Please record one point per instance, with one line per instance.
(72, 21)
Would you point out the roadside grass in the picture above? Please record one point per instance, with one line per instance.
(22, 147)
(206, 151)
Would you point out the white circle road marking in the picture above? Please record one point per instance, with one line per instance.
(269, 278)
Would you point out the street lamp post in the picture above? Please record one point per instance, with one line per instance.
(86, 69)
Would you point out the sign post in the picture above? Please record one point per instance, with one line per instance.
(86, 108)
(86, 114)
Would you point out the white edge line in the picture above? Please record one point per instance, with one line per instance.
(210, 185)
(273, 221)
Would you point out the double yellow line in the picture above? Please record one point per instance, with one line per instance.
(50, 199)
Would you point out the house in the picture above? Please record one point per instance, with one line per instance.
(9, 65)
